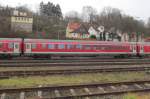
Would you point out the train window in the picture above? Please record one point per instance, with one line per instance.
(27, 46)
(94, 47)
(79, 46)
(88, 47)
(50, 46)
(117, 47)
(120, 47)
(33, 46)
(16, 46)
(134, 47)
(69, 46)
(43, 45)
(101, 47)
(61, 46)
(108, 47)
(141, 47)
(10, 45)
(111, 47)
(1, 45)
(124, 48)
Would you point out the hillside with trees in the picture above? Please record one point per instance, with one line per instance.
(50, 22)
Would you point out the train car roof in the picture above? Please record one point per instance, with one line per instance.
(77, 41)
(148, 43)
(10, 39)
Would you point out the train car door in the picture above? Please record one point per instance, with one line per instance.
(134, 48)
(16, 47)
(28, 47)
(141, 49)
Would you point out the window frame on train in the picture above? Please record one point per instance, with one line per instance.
(11, 45)
(51, 46)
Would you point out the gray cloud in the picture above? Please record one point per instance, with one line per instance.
(137, 8)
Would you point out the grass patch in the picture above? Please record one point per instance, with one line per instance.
(71, 79)
(130, 96)
(136, 96)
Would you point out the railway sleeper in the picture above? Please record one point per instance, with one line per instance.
(62, 92)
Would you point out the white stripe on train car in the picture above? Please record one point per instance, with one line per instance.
(80, 53)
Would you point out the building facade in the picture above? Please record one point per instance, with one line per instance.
(76, 31)
(21, 21)
(85, 31)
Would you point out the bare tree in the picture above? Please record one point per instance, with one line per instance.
(148, 23)
(89, 14)
(110, 18)
(73, 16)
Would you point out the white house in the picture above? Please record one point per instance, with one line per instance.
(107, 36)
(93, 31)
(125, 37)
(99, 31)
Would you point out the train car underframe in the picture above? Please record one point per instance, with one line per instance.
(9, 55)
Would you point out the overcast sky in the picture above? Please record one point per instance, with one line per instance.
(139, 9)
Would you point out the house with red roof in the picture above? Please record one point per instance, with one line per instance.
(77, 31)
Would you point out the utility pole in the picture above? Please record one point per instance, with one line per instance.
(101, 32)
(137, 36)
(58, 35)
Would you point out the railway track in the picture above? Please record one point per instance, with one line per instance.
(22, 73)
(76, 91)
(85, 63)
(27, 68)
(74, 60)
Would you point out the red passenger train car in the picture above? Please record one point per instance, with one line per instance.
(143, 48)
(72, 47)
(10, 47)
(45, 47)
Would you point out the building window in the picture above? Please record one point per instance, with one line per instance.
(74, 35)
(10, 45)
(50, 46)
(33, 46)
(61, 46)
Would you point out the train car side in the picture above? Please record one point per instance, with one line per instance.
(10, 47)
(143, 49)
(44, 47)
(33, 47)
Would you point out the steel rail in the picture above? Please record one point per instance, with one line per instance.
(77, 60)
(70, 64)
(91, 89)
(7, 74)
